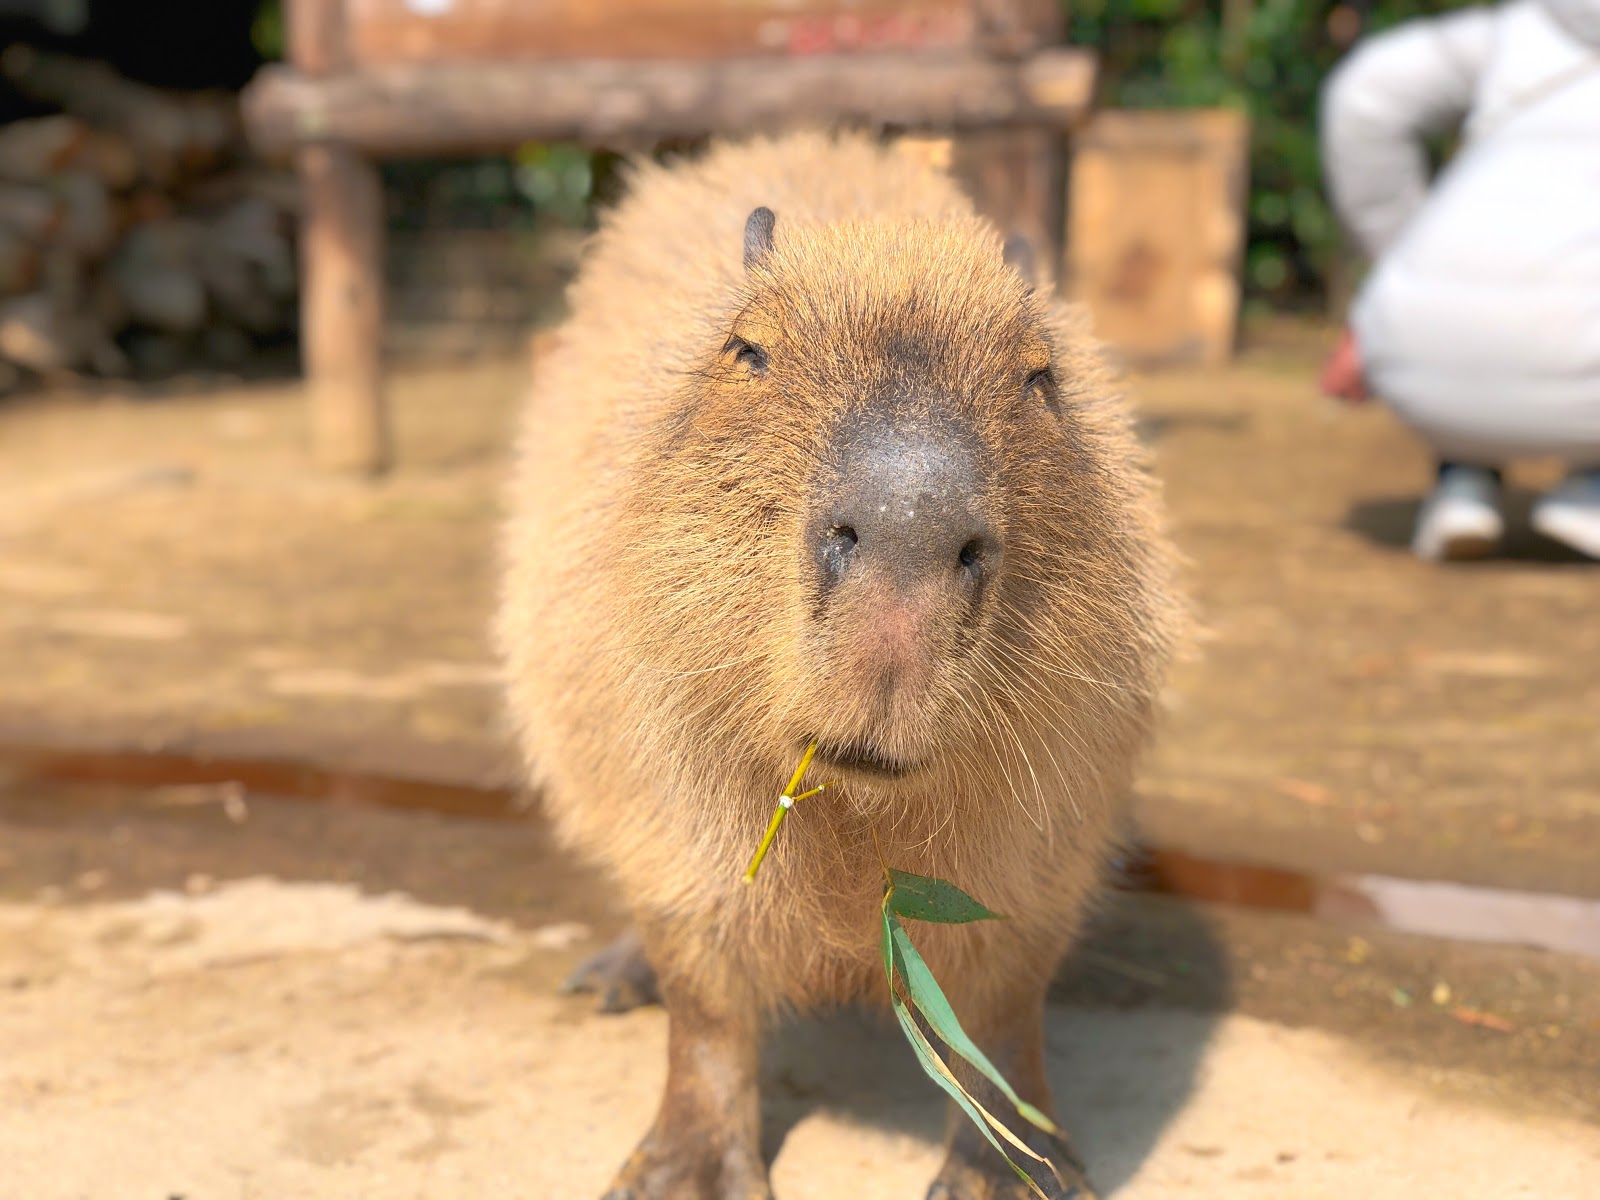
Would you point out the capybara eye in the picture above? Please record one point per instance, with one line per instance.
(1041, 387)
(748, 355)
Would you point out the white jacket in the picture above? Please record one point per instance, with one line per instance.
(1480, 322)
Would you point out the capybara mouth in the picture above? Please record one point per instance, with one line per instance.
(863, 757)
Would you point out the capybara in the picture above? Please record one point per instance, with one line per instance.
(813, 459)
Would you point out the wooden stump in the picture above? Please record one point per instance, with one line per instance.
(342, 309)
(1157, 231)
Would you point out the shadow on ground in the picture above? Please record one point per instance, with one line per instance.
(861, 1067)
(1387, 522)
(1187, 1043)
(1153, 428)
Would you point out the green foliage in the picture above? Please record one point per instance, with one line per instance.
(1268, 58)
(266, 31)
(918, 898)
(919, 1000)
(938, 1071)
(557, 178)
(926, 994)
(921, 898)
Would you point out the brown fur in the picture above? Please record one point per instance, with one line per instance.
(666, 661)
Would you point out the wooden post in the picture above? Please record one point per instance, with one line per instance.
(341, 306)
(1017, 178)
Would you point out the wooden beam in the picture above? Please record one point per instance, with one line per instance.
(478, 31)
(457, 108)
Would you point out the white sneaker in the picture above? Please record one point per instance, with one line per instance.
(1461, 519)
(1570, 514)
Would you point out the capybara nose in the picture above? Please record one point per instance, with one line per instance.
(906, 500)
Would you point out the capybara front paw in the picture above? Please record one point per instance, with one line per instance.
(993, 1187)
(964, 1179)
(620, 975)
(687, 1168)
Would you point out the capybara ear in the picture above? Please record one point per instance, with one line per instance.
(758, 228)
(1018, 256)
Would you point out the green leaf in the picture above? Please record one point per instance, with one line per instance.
(941, 1074)
(939, 1071)
(886, 944)
(918, 898)
(930, 1001)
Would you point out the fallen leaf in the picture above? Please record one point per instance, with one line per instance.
(1304, 791)
(1485, 1020)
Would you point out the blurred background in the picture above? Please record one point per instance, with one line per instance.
(474, 238)
(276, 914)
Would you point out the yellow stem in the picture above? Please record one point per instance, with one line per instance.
(888, 879)
(821, 787)
(785, 801)
(800, 771)
(766, 843)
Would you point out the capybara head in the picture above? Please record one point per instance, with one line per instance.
(879, 514)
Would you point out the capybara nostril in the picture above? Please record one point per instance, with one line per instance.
(838, 548)
(974, 558)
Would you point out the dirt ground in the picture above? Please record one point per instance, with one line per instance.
(206, 992)
(173, 574)
(214, 996)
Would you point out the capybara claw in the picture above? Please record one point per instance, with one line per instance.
(623, 978)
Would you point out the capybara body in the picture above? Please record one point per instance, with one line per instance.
(841, 476)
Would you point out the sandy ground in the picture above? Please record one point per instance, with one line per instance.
(172, 574)
(331, 1002)
(293, 1039)
(257, 998)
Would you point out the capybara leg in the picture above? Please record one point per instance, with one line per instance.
(706, 1140)
(973, 1169)
(620, 975)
